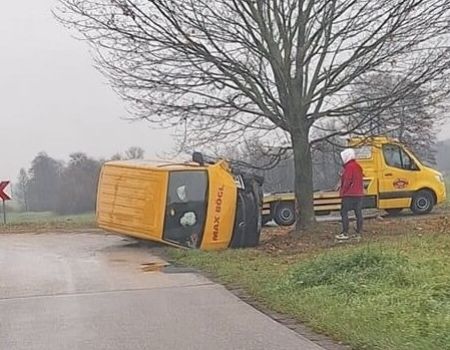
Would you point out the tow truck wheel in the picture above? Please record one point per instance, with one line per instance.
(284, 214)
(422, 202)
(394, 211)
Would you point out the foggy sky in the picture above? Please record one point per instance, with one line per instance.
(53, 100)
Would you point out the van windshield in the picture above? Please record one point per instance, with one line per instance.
(186, 207)
(419, 159)
(395, 156)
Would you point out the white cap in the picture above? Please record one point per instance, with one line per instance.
(347, 155)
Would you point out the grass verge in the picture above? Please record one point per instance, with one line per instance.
(45, 221)
(392, 294)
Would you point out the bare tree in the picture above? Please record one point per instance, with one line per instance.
(78, 190)
(44, 183)
(23, 182)
(134, 153)
(64, 188)
(217, 69)
(130, 153)
(116, 156)
(443, 160)
(272, 162)
(412, 119)
(276, 164)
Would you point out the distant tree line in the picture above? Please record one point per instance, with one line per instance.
(63, 187)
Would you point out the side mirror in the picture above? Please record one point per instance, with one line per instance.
(197, 157)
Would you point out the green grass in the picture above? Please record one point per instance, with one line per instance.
(392, 295)
(46, 220)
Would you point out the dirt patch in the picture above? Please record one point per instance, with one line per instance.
(285, 241)
(154, 266)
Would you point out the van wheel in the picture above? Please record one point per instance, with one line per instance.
(255, 220)
(284, 214)
(422, 202)
(238, 240)
(394, 211)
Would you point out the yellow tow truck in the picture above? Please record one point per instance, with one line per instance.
(199, 204)
(394, 179)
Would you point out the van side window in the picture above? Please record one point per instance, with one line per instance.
(396, 157)
(364, 152)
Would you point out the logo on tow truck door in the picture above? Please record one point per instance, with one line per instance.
(400, 184)
(217, 211)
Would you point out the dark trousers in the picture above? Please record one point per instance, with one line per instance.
(355, 204)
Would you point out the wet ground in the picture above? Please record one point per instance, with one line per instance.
(96, 291)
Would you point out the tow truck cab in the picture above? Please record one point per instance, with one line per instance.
(394, 179)
(190, 205)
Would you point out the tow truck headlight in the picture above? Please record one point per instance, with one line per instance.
(440, 178)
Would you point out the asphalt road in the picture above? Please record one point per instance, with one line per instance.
(94, 291)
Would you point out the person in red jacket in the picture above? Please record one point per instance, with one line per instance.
(351, 192)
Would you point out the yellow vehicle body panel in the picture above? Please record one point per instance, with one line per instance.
(131, 199)
(323, 201)
(221, 208)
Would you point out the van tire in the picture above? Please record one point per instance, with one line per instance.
(393, 211)
(422, 202)
(253, 232)
(284, 214)
(238, 239)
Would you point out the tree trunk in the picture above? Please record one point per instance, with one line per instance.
(303, 182)
(25, 199)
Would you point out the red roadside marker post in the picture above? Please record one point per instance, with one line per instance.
(4, 197)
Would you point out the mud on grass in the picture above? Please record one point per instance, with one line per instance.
(389, 291)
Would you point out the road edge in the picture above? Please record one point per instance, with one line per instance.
(301, 329)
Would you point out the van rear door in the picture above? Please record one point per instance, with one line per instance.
(131, 200)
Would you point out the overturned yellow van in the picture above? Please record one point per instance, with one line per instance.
(192, 205)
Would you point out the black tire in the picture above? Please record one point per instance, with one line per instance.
(253, 232)
(422, 202)
(284, 214)
(393, 211)
(238, 240)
